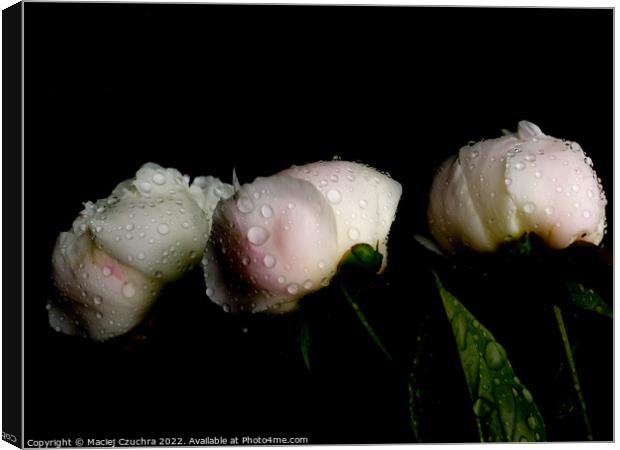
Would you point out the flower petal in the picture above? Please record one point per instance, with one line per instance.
(273, 242)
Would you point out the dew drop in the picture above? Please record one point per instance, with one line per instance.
(146, 186)
(519, 166)
(106, 271)
(527, 395)
(586, 214)
(334, 196)
(549, 210)
(128, 290)
(321, 264)
(266, 211)
(281, 279)
(245, 205)
(363, 204)
(257, 235)
(163, 229)
(210, 292)
(307, 284)
(97, 300)
(245, 260)
(292, 288)
(159, 179)
(508, 181)
(269, 261)
(354, 234)
(538, 174)
(575, 187)
(529, 208)
(494, 355)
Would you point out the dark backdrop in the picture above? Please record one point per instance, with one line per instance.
(206, 88)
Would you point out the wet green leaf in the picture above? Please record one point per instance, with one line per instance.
(503, 406)
(304, 343)
(585, 298)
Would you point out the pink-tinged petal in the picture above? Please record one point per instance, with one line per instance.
(522, 182)
(100, 298)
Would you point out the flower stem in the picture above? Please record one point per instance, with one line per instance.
(573, 369)
(364, 321)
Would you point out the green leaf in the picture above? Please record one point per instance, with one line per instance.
(304, 343)
(585, 298)
(361, 258)
(504, 408)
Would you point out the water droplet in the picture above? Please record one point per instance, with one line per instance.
(106, 271)
(281, 279)
(163, 229)
(210, 292)
(257, 235)
(354, 234)
(334, 178)
(334, 196)
(159, 179)
(575, 187)
(475, 153)
(307, 284)
(363, 204)
(529, 208)
(128, 290)
(519, 166)
(269, 261)
(538, 174)
(97, 300)
(508, 181)
(266, 211)
(494, 355)
(530, 157)
(483, 407)
(146, 186)
(292, 288)
(321, 264)
(323, 183)
(532, 422)
(527, 395)
(99, 315)
(549, 210)
(245, 260)
(245, 205)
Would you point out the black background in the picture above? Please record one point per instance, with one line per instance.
(205, 88)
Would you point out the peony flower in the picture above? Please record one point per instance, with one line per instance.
(496, 190)
(111, 265)
(280, 238)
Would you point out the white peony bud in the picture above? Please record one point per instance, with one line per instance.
(281, 237)
(110, 267)
(496, 190)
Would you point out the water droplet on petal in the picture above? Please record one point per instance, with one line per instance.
(549, 210)
(128, 290)
(159, 179)
(210, 292)
(266, 211)
(519, 166)
(508, 181)
(529, 208)
(257, 235)
(307, 284)
(106, 271)
(146, 186)
(334, 196)
(245, 205)
(363, 204)
(538, 174)
(321, 264)
(575, 187)
(269, 261)
(97, 300)
(292, 288)
(483, 407)
(163, 229)
(354, 234)
(586, 214)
